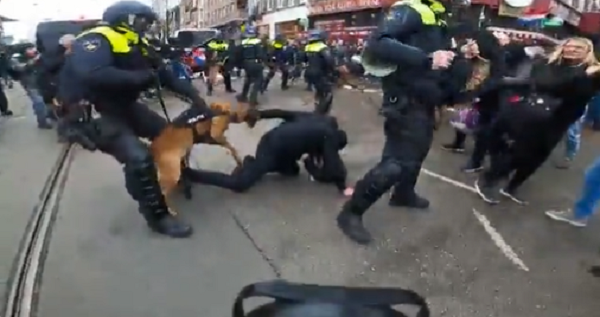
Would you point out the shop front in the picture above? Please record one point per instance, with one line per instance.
(285, 22)
(347, 21)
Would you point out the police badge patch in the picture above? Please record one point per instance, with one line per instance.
(91, 45)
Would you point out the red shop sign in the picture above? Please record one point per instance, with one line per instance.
(335, 6)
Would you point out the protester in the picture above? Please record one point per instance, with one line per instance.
(586, 204)
(27, 67)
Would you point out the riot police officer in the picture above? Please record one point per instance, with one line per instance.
(112, 64)
(278, 60)
(250, 56)
(320, 66)
(408, 50)
(217, 50)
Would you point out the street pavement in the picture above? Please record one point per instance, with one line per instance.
(27, 156)
(467, 258)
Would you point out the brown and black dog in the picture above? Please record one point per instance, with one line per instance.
(174, 143)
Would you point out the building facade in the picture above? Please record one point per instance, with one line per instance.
(284, 17)
(226, 15)
(346, 20)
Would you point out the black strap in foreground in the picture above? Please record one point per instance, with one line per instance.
(380, 296)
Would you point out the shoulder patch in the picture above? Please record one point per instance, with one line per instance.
(91, 45)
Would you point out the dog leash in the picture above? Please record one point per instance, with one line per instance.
(160, 98)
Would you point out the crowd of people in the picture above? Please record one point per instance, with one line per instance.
(525, 101)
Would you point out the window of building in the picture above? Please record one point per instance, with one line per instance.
(279, 4)
(270, 5)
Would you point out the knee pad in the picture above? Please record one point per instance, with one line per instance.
(384, 176)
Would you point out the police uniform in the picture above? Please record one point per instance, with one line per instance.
(250, 56)
(320, 65)
(399, 51)
(112, 65)
(218, 53)
(278, 60)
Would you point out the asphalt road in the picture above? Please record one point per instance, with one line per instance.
(104, 262)
(27, 156)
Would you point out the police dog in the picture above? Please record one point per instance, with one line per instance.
(191, 127)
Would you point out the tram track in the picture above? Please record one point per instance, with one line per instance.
(24, 283)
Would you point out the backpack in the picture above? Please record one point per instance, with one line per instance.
(305, 300)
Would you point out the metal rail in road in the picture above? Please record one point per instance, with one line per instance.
(24, 284)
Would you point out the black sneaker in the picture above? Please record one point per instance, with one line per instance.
(513, 196)
(487, 193)
(7, 113)
(472, 168)
(451, 147)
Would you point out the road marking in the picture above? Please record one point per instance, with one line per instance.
(499, 241)
(484, 221)
(449, 180)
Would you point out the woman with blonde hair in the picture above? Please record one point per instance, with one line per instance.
(538, 114)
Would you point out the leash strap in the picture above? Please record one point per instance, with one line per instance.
(160, 98)
(283, 290)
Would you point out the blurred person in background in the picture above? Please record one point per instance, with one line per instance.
(572, 143)
(4, 78)
(27, 67)
(593, 113)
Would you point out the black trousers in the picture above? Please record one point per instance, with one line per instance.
(323, 92)
(267, 160)
(482, 136)
(519, 147)
(119, 136)
(253, 81)
(408, 138)
(3, 99)
(284, 75)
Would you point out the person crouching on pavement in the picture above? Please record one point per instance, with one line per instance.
(538, 115)
(314, 135)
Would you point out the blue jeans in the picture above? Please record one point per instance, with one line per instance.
(180, 70)
(39, 106)
(573, 139)
(590, 194)
(593, 112)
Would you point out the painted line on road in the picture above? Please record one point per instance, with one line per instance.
(499, 241)
(496, 237)
(449, 180)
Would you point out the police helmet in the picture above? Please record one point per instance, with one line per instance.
(250, 31)
(134, 15)
(315, 35)
(280, 38)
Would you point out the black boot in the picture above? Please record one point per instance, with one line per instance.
(410, 201)
(165, 223)
(142, 184)
(349, 220)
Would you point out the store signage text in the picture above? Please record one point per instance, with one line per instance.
(334, 6)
